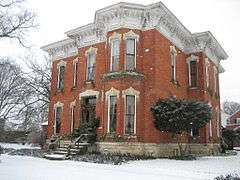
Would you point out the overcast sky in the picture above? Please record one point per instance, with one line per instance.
(221, 17)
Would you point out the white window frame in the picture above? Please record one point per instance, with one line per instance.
(215, 76)
(114, 37)
(131, 91)
(72, 110)
(237, 120)
(189, 60)
(173, 55)
(111, 92)
(111, 60)
(59, 65)
(108, 127)
(57, 105)
(131, 35)
(218, 121)
(75, 64)
(207, 72)
(93, 51)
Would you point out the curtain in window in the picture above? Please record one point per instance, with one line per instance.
(129, 114)
(113, 114)
(91, 66)
(130, 54)
(115, 55)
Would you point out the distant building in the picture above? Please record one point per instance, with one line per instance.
(117, 67)
(233, 122)
(224, 118)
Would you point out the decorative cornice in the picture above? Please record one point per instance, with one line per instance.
(115, 36)
(91, 50)
(130, 34)
(61, 63)
(58, 104)
(112, 92)
(130, 91)
(192, 58)
(89, 92)
(61, 49)
(137, 16)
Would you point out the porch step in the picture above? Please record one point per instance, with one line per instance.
(56, 156)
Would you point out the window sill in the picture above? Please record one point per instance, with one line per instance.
(193, 88)
(122, 74)
(175, 82)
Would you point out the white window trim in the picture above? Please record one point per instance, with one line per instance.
(218, 120)
(58, 104)
(72, 106)
(132, 92)
(91, 50)
(131, 35)
(59, 65)
(75, 63)
(108, 122)
(189, 60)
(173, 55)
(210, 123)
(111, 92)
(111, 44)
(215, 78)
(207, 72)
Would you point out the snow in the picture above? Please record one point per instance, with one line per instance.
(18, 146)
(22, 168)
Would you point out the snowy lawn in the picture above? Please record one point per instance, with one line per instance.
(17, 146)
(28, 168)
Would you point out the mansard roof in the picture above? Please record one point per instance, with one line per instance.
(136, 16)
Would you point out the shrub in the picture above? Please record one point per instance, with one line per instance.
(228, 177)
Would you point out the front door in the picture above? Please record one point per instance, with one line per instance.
(88, 109)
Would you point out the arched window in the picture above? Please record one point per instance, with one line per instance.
(173, 55)
(61, 70)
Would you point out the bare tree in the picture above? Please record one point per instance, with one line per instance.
(231, 107)
(12, 89)
(15, 20)
(35, 109)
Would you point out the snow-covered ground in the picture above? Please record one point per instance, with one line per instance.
(18, 146)
(28, 168)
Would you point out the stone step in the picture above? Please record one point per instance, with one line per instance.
(64, 152)
(56, 156)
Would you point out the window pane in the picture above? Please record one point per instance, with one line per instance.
(130, 46)
(115, 55)
(113, 113)
(129, 114)
(61, 77)
(58, 119)
(193, 73)
(91, 66)
(130, 54)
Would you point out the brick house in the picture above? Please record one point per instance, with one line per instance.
(233, 122)
(118, 66)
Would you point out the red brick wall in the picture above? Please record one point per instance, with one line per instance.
(153, 60)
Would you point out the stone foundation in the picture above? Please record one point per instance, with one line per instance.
(156, 150)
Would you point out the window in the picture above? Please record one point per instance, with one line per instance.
(112, 114)
(91, 59)
(130, 54)
(114, 55)
(238, 120)
(173, 54)
(130, 114)
(60, 84)
(215, 75)
(210, 128)
(58, 112)
(193, 78)
(72, 118)
(75, 70)
(194, 132)
(207, 73)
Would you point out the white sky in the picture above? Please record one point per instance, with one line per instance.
(221, 17)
